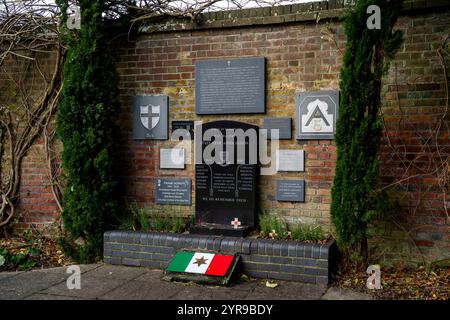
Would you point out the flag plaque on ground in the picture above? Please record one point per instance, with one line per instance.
(201, 267)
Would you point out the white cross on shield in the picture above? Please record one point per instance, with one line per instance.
(150, 116)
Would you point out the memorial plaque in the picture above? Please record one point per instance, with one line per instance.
(173, 191)
(172, 158)
(291, 190)
(317, 113)
(187, 126)
(282, 124)
(150, 117)
(290, 160)
(227, 190)
(230, 86)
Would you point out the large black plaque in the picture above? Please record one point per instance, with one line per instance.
(230, 86)
(227, 191)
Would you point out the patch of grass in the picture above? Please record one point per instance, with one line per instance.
(161, 223)
(170, 224)
(137, 220)
(269, 224)
(307, 233)
(276, 228)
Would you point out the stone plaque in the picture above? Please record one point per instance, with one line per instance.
(173, 191)
(282, 124)
(172, 158)
(317, 113)
(291, 190)
(150, 117)
(186, 127)
(290, 160)
(230, 86)
(227, 190)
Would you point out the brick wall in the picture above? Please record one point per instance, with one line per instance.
(300, 56)
(303, 45)
(27, 79)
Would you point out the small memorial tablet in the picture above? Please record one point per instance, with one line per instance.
(172, 158)
(282, 124)
(184, 127)
(290, 160)
(173, 191)
(291, 190)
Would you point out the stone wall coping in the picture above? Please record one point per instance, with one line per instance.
(301, 12)
(292, 248)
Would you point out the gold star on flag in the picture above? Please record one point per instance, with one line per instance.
(200, 261)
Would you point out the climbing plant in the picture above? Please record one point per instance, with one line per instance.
(355, 199)
(85, 125)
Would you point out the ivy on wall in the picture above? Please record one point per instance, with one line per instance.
(85, 126)
(355, 199)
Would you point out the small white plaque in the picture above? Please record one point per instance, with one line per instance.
(290, 160)
(172, 158)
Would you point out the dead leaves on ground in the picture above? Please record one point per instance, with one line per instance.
(44, 251)
(401, 283)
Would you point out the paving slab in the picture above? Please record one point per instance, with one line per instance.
(335, 293)
(195, 292)
(143, 290)
(91, 287)
(116, 272)
(33, 281)
(4, 275)
(151, 276)
(10, 295)
(99, 281)
(287, 291)
(42, 296)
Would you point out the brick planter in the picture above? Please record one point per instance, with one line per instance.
(261, 258)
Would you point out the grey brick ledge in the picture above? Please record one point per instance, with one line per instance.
(261, 258)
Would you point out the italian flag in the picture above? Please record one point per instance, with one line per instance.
(203, 263)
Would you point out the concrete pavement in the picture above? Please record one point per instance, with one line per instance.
(106, 282)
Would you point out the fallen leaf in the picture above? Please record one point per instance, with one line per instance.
(270, 284)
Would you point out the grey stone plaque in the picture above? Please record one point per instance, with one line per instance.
(317, 113)
(173, 191)
(282, 124)
(290, 160)
(291, 190)
(230, 86)
(151, 117)
(185, 128)
(172, 158)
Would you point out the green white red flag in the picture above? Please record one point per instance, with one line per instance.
(201, 263)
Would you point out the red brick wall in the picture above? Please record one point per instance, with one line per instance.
(300, 56)
(20, 79)
(297, 59)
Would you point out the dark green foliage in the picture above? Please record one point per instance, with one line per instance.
(22, 260)
(85, 125)
(358, 134)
